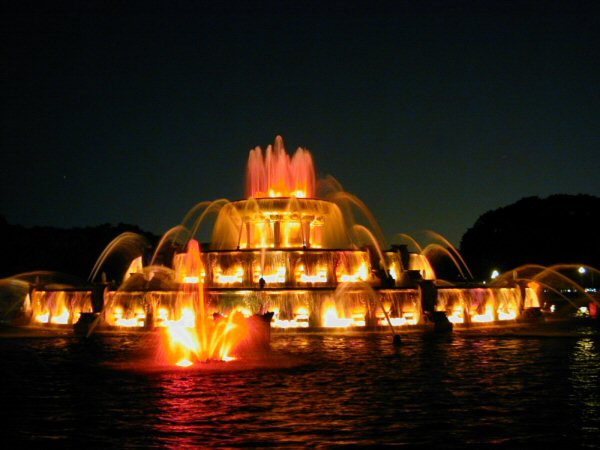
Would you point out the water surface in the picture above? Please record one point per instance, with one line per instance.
(508, 390)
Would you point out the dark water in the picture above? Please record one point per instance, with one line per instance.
(473, 390)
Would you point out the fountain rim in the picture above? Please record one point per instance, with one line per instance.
(288, 249)
(282, 199)
(92, 287)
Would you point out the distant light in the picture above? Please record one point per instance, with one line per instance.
(495, 274)
(582, 270)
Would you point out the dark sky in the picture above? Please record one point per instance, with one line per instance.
(135, 111)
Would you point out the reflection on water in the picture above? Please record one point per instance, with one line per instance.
(509, 390)
(584, 378)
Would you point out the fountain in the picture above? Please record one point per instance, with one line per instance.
(283, 258)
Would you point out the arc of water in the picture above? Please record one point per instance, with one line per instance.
(509, 276)
(213, 207)
(123, 237)
(17, 289)
(361, 229)
(450, 254)
(328, 186)
(344, 198)
(549, 287)
(410, 239)
(543, 272)
(454, 250)
(194, 210)
(554, 270)
(172, 235)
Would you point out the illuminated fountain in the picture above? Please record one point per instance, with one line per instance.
(306, 259)
(303, 257)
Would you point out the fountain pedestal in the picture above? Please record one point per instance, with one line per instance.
(86, 323)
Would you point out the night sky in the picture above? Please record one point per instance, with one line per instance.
(131, 112)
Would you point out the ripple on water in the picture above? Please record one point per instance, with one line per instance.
(477, 389)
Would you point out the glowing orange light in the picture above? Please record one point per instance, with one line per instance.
(203, 340)
(398, 321)
(43, 318)
(235, 276)
(277, 277)
(136, 266)
(61, 318)
(137, 319)
(360, 275)
(300, 319)
(332, 320)
(456, 316)
(320, 277)
(507, 315)
(487, 316)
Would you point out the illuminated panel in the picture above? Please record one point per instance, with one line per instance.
(331, 319)
(231, 277)
(61, 318)
(43, 318)
(456, 316)
(319, 277)
(120, 319)
(360, 275)
(59, 307)
(507, 315)
(277, 277)
(487, 316)
(300, 319)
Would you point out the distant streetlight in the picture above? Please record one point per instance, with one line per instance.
(582, 270)
(494, 274)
